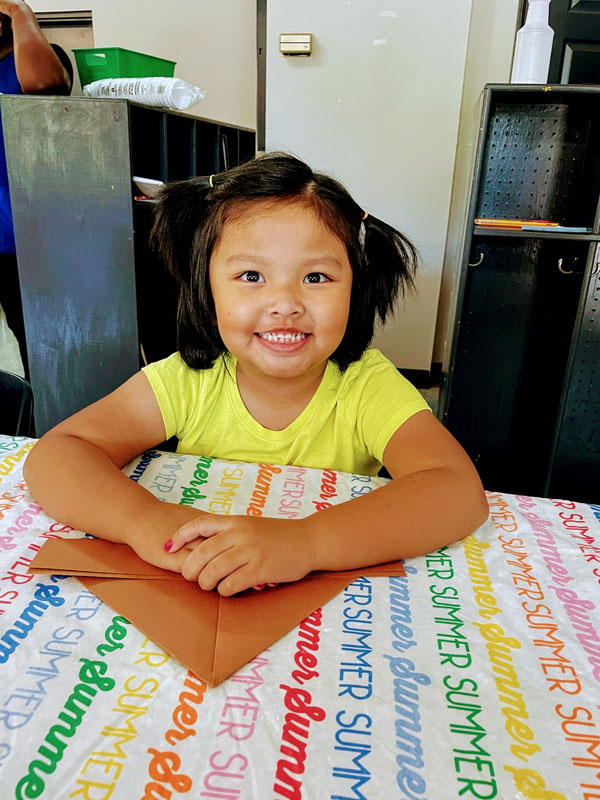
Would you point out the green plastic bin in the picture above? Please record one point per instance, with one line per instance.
(97, 63)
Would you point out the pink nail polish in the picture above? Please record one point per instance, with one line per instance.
(169, 545)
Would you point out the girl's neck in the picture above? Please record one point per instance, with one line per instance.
(276, 402)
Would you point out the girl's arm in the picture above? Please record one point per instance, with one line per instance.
(434, 499)
(74, 473)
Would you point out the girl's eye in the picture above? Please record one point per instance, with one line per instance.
(316, 277)
(251, 276)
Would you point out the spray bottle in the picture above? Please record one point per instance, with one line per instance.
(534, 45)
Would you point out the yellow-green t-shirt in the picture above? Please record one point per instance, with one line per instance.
(346, 425)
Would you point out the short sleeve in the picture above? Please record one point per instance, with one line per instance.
(386, 400)
(168, 381)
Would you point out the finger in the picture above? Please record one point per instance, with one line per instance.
(184, 551)
(220, 567)
(202, 554)
(201, 527)
(196, 561)
(176, 563)
(237, 581)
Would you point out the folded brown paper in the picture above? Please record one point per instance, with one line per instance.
(213, 636)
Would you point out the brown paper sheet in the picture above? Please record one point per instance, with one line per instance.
(212, 636)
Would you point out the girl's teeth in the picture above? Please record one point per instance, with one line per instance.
(282, 338)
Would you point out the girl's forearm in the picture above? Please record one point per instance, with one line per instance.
(409, 516)
(76, 483)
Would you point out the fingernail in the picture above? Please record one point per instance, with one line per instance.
(169, 545)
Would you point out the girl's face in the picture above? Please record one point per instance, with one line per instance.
(281, 283)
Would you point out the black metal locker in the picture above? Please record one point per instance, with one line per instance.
(526, 338)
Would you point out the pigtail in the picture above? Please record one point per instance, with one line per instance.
(383, 268)
(179, 213)
(180, 234)
(391, 262)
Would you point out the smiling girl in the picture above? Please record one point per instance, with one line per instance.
(282, 277)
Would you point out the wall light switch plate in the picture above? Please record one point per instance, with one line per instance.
(295, 44)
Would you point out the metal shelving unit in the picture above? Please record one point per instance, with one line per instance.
(521, 383)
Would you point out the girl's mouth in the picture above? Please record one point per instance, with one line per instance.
(282, 337)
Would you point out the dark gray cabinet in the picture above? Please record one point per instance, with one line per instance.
(521, 380)
(95, 300)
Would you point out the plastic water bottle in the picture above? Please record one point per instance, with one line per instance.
(161, 92)
(534, 45)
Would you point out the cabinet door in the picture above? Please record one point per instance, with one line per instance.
(576, 467)
(513, 343)
(576, 46)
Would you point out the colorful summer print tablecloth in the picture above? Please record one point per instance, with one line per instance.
(475, 676)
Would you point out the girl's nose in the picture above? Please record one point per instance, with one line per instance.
(285, 302)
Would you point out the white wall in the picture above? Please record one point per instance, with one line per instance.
(212, 41)
(488, 60)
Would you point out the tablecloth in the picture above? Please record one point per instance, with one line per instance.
(475, 676)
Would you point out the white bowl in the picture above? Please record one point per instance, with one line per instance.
(147, 186)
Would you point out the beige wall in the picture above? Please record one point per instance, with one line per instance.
(212, 41)
(489, 57)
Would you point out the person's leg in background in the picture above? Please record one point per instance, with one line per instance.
(10, 299)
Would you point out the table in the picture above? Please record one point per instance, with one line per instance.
(475, 676)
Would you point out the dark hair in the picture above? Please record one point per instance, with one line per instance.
(189, 219)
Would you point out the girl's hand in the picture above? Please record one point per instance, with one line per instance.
(240, 552)
(148, 537)
(150, 548)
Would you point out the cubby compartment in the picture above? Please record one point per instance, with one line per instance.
(540, 159)
(228, 148)
(247, 146)
(181, 150)
(156, 294)
(148, 143)
(207, 138)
